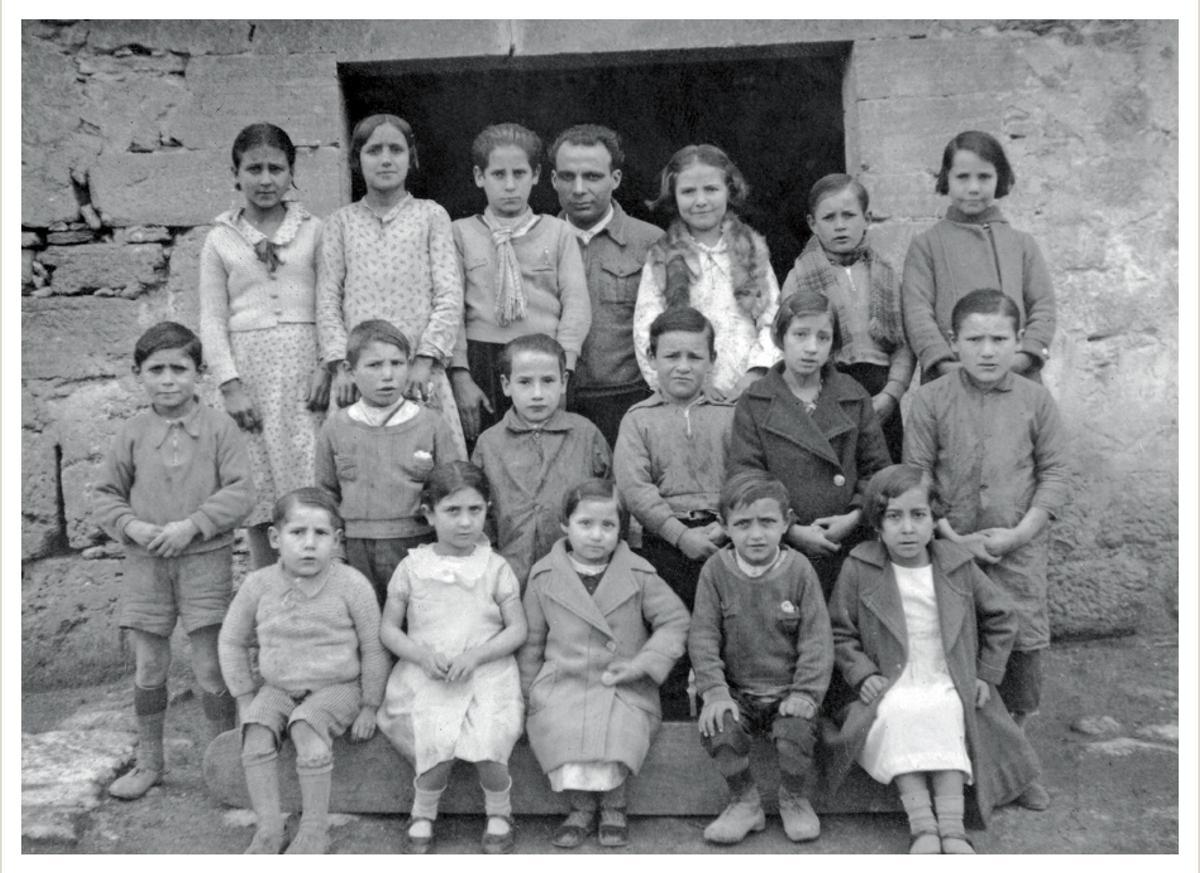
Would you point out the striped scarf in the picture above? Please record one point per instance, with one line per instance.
(814, 272)
(510, 292)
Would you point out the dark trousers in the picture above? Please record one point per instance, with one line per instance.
(794, 737)
(1021, 689)
(681, 574)
(606, 410)
(483, 360)
(873, 378)
(378, 559)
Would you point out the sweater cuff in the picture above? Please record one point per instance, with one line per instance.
(655, 664)
(1036, 350)
(572, 358)
(894, 390)
(715, 694)
(990, 674)
(672, 531)
(207, 529)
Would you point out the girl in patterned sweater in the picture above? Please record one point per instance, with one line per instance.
(391, 256)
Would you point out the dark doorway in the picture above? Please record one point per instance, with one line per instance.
(776, 111)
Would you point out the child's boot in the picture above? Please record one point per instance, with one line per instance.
(418, 833)
(921, 824)
(614, 827)
(743, 814)
(150, 705)
(498, 835)
(220, 711)
(950, 825)
(800, 821)
(576, 826)
(316, 778)
(262, 784)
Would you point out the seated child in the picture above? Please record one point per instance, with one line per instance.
(995, 447)
(374, 455)
(455, 692)
(536, 451)
(316, 627)
(922, 635)
(603, 632)
(670, 463)
(175, 483)
(762, 651)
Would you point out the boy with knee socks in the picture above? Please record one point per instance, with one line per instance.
(175, 483)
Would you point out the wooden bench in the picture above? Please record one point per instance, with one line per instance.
(678, 779)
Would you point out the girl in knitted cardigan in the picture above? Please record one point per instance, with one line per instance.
(711, 261)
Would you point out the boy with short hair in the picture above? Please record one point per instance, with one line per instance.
(670, 463)
(762, 648)
(374, 455)
(175, 483)
(995, 447)
(536, 452)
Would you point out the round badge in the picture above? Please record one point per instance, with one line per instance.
(839, 480)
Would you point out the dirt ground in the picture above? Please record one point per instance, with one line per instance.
(1111, 793)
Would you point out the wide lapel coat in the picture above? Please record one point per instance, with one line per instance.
(978, 627)
(574, 636)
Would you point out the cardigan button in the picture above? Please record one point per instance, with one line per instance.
(611, 646)
(839, 480)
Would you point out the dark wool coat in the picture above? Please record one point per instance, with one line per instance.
(824, 459)
(574, 636)
(978, 628)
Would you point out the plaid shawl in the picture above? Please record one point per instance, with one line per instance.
(813, 272)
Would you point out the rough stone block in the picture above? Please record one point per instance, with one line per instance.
(903, 195)
(62, 776)
(359, 41)
(891, 239)
(77, 339)
(134, 189)
(30, 240)
(123, 67)
(41, 530)
(124, 235)
(298, 92)
(907, 134)
(184, 277)
(186, 37)
(88, 267)
(135, 114)
(69, 634)
(69, 237)
(938, 67)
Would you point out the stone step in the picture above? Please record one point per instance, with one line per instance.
(677, 779)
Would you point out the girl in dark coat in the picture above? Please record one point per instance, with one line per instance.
(922, 635)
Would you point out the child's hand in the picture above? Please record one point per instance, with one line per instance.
(418, 386)
(872, 687)
(240, 407)
(468, 397)
(714, 393)
(999, 541)
(1022, 362)
(318, 389)
(983, 693)
(715, 533)
(712, 716)
(947, 367)
(811, 540)
(621, 671)
(838, 527)
(435, 664)
(461, 666)
(142, 532)
(884, 405)
(977, 546)
(243, 705)
(364, 726)
(798, 705)
(173, 538)
(344, 390)
(696, 545)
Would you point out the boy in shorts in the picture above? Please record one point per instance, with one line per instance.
(175, 483)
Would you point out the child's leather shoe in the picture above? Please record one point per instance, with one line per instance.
(800, 821)
(743, 815)
(309, 840)
(500, 844)
(614, 828)
(1034, 797)
(574, 829)
(135, 783)
(417, 845)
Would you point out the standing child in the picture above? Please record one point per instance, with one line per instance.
(316, 627)
(995, 448)
(454, 619)
(391, 256)
(523, 272)
(974, 247)
(839, 263)
(534, 454)
(175, 483)
(711, 261)
(815, 429)
(922, 635)
(670, 463)
(257, 308)
(763, 655)
(604, 631)
(373, 456)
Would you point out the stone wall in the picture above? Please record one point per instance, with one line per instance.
(126, 129)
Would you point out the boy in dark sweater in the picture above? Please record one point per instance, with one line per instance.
(762, 649)
(375, 455)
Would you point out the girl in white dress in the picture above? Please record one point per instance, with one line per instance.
(455, 692)
(711, 261)
(923, 635)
